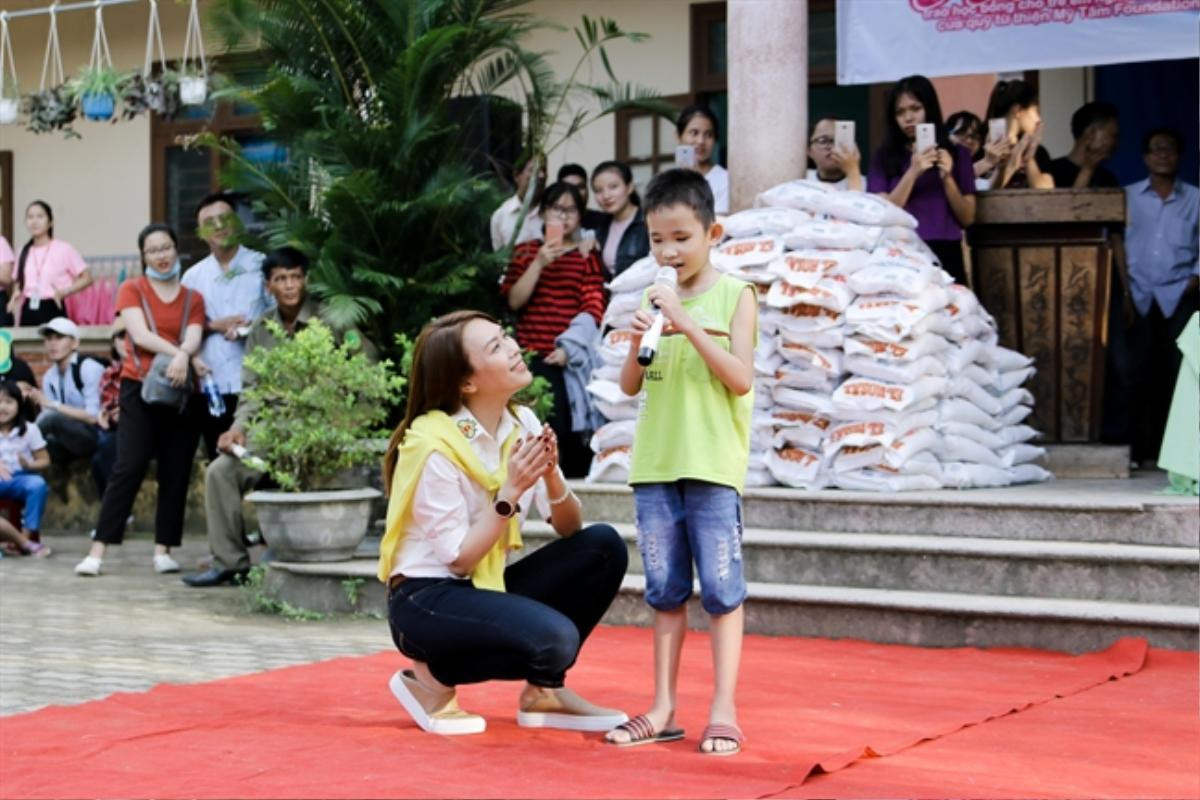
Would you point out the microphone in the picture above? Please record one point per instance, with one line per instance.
(665, 277)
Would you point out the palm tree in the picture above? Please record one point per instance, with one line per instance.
(377, 187)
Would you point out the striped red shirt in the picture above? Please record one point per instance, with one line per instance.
(568, 286)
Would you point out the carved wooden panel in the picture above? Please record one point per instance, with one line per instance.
(1038, 286)
(1084, 273)
(995, 284)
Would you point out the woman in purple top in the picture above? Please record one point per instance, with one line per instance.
(936, 186)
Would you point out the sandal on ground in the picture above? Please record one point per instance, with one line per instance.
(37, 550)
(641, 731)
(721, 730)
(450, 721)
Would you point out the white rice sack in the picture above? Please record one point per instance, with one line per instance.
(806, 319)
(923, 414)
(869, 394)
(608, 372)
(904, 255)
(759, 275)
(893, 371)
(867, 209)
(613, 434)
(763, 385)
(960, 386)
(614, 348)
(851, 458)
(1018, 454)
(882, 479)
(830, 338)
(831, 234)
(962, 475)
(829, 293)
(900, 234)
(611, 402)
(862, 433)
(767, 363)
(1007, 360)
(608, 391)
(963, 299)
(760, 478)
(636, 277)
(623, 303)
(805, 195)
(1013, 398)
(895, 309)
(906, 350)
(799, 376)
(738, 254)
(986, 378)
(1007, 381)
(807, 267)
(762, 432)
(907, 446)
(958, 409)
(1017, 434)
(960, 448)
(989, 439)
(1029, 473)
(610, 466)
(897, 330)
(617, 411)
(826, 362)
(968, 352)
(803, 399)
(799, 429)
(796, 467)
(972, 326)
(1014, 416)
(891, 279)
(764, 222)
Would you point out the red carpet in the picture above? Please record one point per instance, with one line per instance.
(333, 730)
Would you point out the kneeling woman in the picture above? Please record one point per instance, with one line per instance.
(464, 467)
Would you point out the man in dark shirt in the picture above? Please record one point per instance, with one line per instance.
(1097, 133)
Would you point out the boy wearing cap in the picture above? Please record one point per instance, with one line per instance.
(69, 396)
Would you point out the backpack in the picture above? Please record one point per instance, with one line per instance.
(75, 369)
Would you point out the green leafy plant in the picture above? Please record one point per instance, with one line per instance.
(318, 406)
(157, 94)
(51, 110)
(258, 601)
(98, 81)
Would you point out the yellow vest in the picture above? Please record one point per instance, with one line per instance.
(435, 431)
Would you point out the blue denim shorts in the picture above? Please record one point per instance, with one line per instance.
(684, 521)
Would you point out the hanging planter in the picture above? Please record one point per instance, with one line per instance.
(10, 103)
(52, 107)
(193, 80)
(99, 84)
(148, 92)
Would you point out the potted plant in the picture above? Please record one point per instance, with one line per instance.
(51, 110)
(10, 107)
(193, 89)
(151, 93)
(318, 411)
(97, 89)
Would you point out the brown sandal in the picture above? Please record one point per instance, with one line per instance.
(641, 731)
(722, 730)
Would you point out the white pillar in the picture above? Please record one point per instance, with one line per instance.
(767, 51)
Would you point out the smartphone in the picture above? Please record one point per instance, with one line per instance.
(997, 129)
(685, 156)
(554, 232)
(843, 134)
(926, 138)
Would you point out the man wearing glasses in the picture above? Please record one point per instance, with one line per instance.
(838, 166)
(230, 281)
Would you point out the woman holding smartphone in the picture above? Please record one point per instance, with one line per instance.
(464, 467)
(549, 283)
(920, 170)
(697, 129)
(1027, 165)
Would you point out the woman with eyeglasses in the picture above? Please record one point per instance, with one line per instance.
(48, 271)
(838, 166)
(550, 283)
(162, 317)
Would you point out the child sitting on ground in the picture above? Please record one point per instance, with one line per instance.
(690, 454)
(22, 452)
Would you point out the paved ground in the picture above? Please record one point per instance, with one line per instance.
(65, 639)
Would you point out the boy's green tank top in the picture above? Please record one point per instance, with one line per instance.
(689, 424)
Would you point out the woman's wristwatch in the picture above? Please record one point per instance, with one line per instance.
(506, 509)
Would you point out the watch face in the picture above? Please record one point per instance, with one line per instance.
(504, 508)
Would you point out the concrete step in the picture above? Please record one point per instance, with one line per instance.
(1119, 511)
(933, 619)
(1010, 567)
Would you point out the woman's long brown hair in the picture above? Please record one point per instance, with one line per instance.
(439, 367)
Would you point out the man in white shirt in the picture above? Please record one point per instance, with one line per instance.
(504, 218)
(69, 396)
(230, 281)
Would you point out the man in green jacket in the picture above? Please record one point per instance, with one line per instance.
(228, 479)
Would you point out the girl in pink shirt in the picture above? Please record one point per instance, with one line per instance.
(6, 278)
(47, 271)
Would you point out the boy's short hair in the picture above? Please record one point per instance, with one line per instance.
(1175, 136)
(567, 170)
(228, 198)
(685, 187)
(1093, 113)
(284, 258)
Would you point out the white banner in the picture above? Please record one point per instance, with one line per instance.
(883, 40)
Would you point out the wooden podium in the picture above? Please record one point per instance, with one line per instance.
(1041, 264)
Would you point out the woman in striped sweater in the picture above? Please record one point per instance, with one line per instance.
(548, 283)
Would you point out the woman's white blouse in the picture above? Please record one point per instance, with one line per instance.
(718, 181)
(446, 502)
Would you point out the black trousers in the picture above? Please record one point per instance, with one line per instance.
(951, 255)
(1156, 364)
(212, 427)
(574, 455)
(149, 432)
(531, 632)
(46, 311)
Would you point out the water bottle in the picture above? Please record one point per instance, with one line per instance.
(249, 459)
(216, 403)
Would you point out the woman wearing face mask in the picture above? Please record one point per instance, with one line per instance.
(621, 234)
(936, 186)
(1027, 165)
(48, 271)
(174, 328)
(697, 127)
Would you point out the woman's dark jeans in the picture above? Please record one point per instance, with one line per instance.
(532, 632)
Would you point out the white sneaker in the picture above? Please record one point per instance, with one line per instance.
(89, 567)
(163, 563)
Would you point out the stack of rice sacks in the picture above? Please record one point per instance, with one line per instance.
(873, 371)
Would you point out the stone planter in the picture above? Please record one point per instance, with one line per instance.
(9, 110)
(314, 526)
(193, 90)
